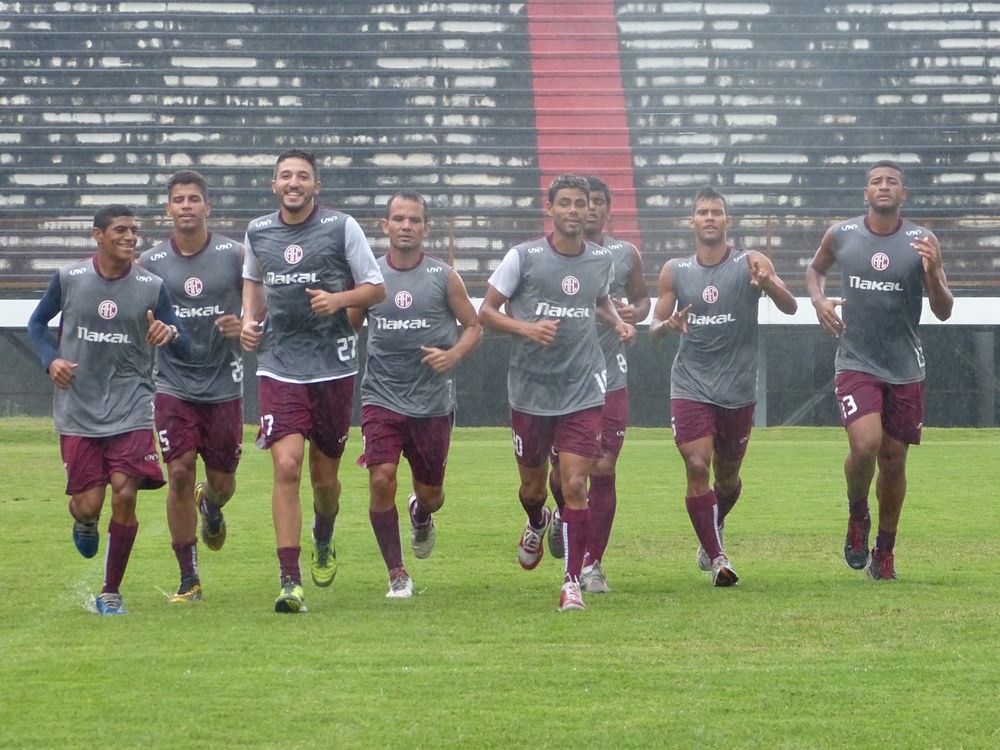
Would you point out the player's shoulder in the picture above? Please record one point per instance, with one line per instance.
(433, 264)
(684, 262)
(156, 253)
(534, 246)
(912, 231)
(264, 222)
(854, 224)
(617, 245)
(221, 243)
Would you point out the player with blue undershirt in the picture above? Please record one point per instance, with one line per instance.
(886, 264)
(114, 314)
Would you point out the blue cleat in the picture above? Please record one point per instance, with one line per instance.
(110, 603)
(86, 537)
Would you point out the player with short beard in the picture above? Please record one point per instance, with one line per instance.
(711, 300)
(199, 408)
(554, 287)
(886, 263)
(113, 315)
(408, 390)
(305, 265)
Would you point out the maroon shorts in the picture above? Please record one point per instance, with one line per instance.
(423, 441)
(321, 412)
(213, 430)
(614, 420)
(536, 436)
(90, 462)
(693, 420)
(901, 406)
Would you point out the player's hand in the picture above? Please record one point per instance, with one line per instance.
(542, 331)
(826, 313)
(930, 251)
(625, 311)
(439, 360)
(159, 334)
(759, 277)
(229, 326)
(626, 332)
(62, 372)
(323, 303)
(251, 335)
(678, 321)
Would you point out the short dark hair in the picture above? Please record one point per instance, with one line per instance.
(886, 163)
(406, 195)
(106, 214)
(709, 193)
(187, 177)
(563, 181)
(597, 185)
(298, 153)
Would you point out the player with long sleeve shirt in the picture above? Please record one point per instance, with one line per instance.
(886, 264)
(711, 300)
(304, 266)
(555, 287)
(114, 314)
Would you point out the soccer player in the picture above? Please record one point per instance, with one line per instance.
(631, 298)
(199, 401)
(886, 263)
(554, 286)
(113, 314)
(408, 390)
(305, 264)
(711, 299)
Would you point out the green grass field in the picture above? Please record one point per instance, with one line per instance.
(804, 653)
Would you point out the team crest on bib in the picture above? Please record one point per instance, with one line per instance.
(710, 294)
(107, 309)
(193, 287)
(403, 299)
(571, 285)
(880, 261)
(293, 254)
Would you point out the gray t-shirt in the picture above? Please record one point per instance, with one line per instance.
(103, 330)
(204, 286)
(882, 284)
(614, 348)
(414, 313)
(329, 252)
(716, 361)
(568, 375)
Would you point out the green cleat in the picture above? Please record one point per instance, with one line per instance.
(213, 528)
(324, 563)
(291, 598)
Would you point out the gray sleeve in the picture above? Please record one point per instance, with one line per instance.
(507, 275)
(251, 266)
(359, 254)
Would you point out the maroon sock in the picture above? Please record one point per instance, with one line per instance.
(858, 509)
(323, 528)
(386, 528)
(418, 515)
(703, 510)
(603, 501)
(120, 541)
(726, 502)
(556, 489)
(536, 513)
(577, 535)
(885, 541)
(288, 559)
(187, 558)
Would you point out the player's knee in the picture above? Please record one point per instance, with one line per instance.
(431, 499)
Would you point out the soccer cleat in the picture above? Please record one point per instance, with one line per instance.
(189, 591)
(213, 529)
(110, 603)
(291, 598)
(86, 537)
(881, 567)
(856, 544)
(557, 544)
(422, 535)
(702, 558)
(324, 562)
(530, 549)
(723, 573)
(593, 580)
(400, 584)
(570, 599)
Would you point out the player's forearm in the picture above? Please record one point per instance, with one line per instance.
(939, 296)
(254, 305)
(783, 299)
(363, 295)
(468, 341)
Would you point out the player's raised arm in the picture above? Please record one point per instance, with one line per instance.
(764, 277)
